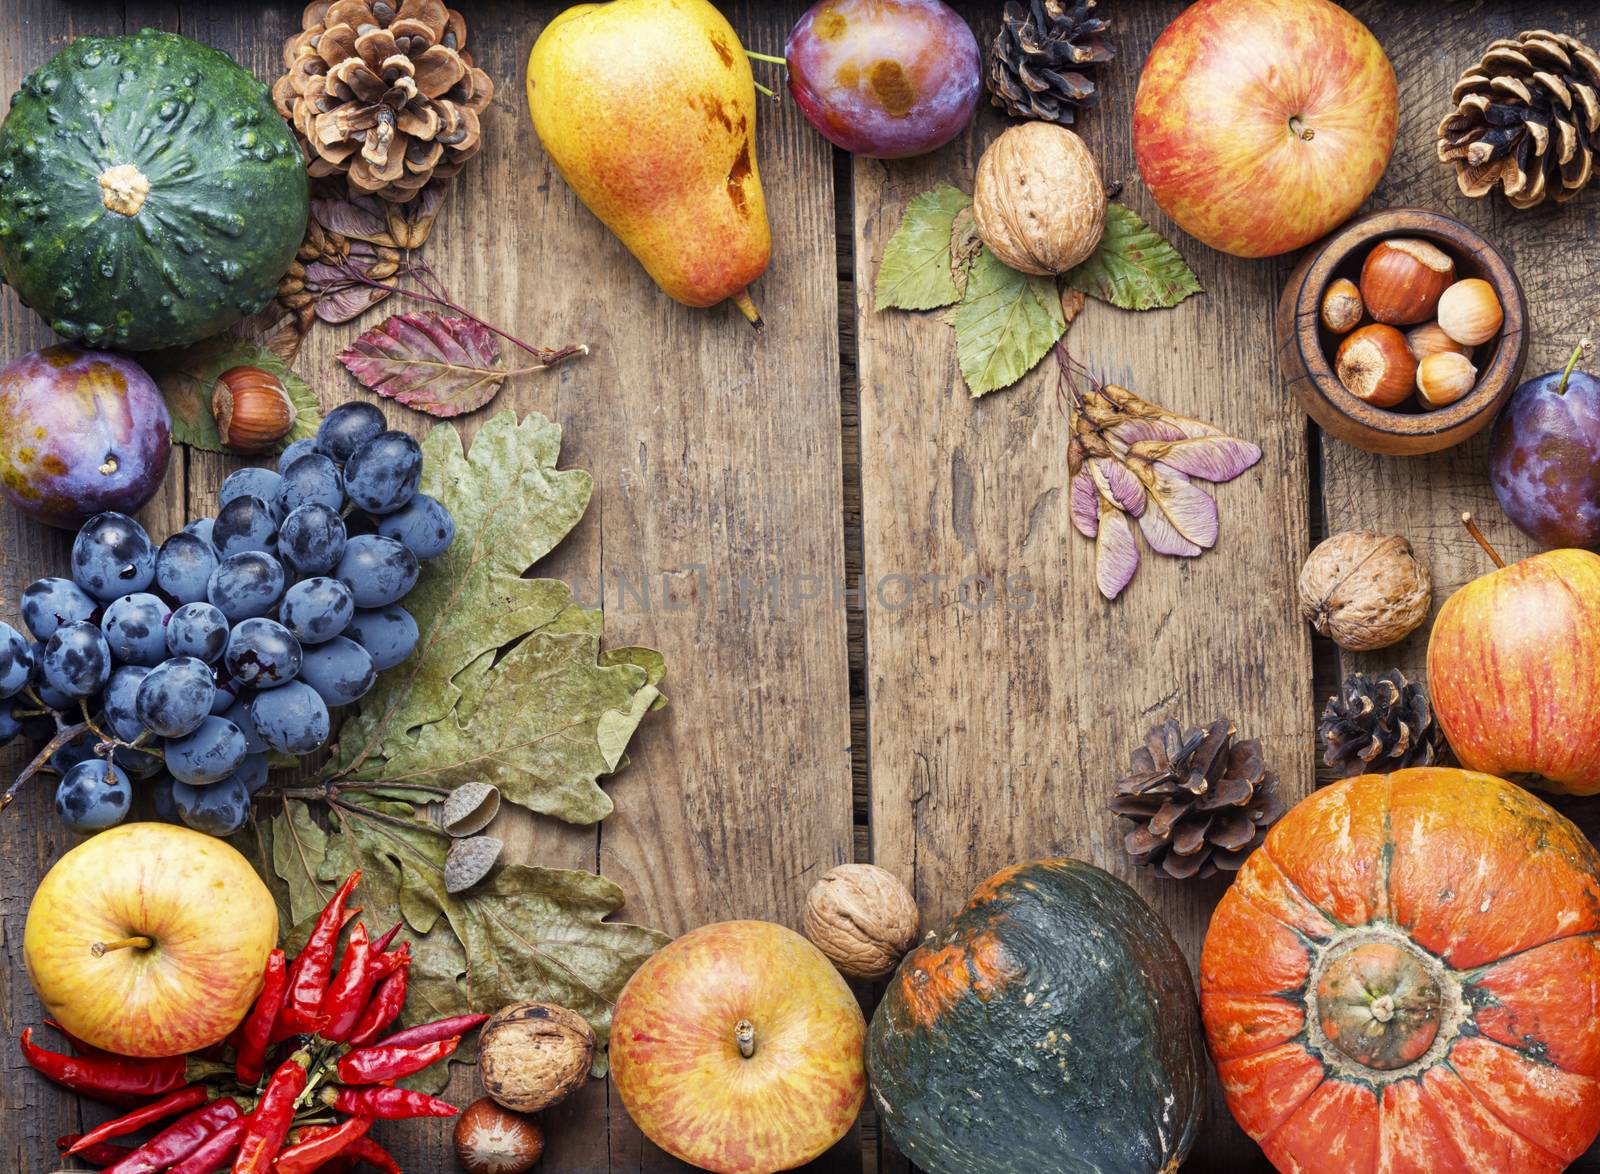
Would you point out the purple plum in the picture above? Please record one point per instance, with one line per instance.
(885, 78)
(1544, 458)
(81, 432)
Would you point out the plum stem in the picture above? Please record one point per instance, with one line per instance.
(1477, 534)
(753, 55)
(1566, 372)
(765, 91)
(137, 942)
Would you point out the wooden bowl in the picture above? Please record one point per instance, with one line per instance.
(1305, 347)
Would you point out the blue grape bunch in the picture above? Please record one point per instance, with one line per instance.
(183, 666)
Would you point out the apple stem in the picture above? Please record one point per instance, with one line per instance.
(1566, 372)
(137, 942)
(744, 1034)
(1300, 130)
(1472, 528)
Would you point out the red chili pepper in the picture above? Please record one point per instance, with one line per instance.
(383, 965)
(386, 1103)
(266, 1128)
(168, 1106)
(347, 996)
(385, 1005)
(426, 1033)
(320, 1146)
(180, 1139)
(380, 1064)
(369, 1151)
(102, 1154)
(292, 1022)
(256, 1030)
(116, 1080)
(210, 1155)
(309, 981)
(382, 943)
(78, 1045)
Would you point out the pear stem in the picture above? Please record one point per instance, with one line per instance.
(747, 307)
(137, 942)
(1566, 372)
(1477, 534)
(754, 56)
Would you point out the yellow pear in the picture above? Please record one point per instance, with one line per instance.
(648, 110)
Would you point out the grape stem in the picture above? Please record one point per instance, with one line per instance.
(41, 761)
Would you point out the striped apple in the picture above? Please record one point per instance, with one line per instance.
(1514, 672)
(739, 1049)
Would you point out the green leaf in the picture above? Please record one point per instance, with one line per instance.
(1005, 324)
(915, 271)
(187, 377)
(1134, 266)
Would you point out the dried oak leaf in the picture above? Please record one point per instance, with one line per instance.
(436, 364)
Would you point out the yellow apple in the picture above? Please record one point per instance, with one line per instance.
(739, 1049)
(149, 939)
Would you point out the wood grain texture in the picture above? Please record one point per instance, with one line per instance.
(998, 724)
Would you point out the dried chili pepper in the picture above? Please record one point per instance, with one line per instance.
(425, 1033)
(386, 1103)
(369, 1151)
(210, 1155)
(266, 1128)
(100, 1154)
(168, 1106)
(320, 1146)
(383, 965)
(382, 944)
(309, 980)
(292, 1022)
(376, 1065)
(347, 996)
(116, 1080)
(180, 1139)
(384, 1007)
(78, 1045)
(256, 1030)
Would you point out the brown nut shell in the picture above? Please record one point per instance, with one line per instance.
(1375, 365)
(494, 1140)
(862, 918)
(1037, 201)
(1401, 280)
(252, 409)
(534, 1055)
(1365, 590)
(1342, 308)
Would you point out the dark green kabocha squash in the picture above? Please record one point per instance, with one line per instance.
(149, 193)
(1051, 1029)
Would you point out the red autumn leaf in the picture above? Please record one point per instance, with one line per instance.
(436, 364)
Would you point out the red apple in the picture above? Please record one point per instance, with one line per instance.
(1261, 125)
(1514, 672)
(739, 1049)
(149, 939)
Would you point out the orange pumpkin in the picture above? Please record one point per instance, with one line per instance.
(1404, 978)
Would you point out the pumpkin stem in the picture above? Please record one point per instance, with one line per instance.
(744, 1034)
(123, 189)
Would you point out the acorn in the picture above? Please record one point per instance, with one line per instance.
(492, 1140)
(252, 409)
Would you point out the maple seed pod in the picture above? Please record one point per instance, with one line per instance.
(1428, 339)
(492, 1140)
(1342, 307)
(1469, 312)
(1444, 378)
(533, 1055)
(252, 409)
(1401, 280)
(1375, 365)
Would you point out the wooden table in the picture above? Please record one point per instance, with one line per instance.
(890, 698)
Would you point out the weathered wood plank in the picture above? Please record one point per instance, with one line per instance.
(1000, 718)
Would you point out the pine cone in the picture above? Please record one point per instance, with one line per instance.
(384, 92)
(1043, 57)
(1378, 724)
(1527, 119)
(1199, 801)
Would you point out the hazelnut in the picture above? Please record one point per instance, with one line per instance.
(532, 1055)
(1365, 590)
(1444, 378)
(1342, 307)
(252, 409)
(1469, 312)
(1428, 339)
(1037, 199)
(1401, 280)
(492, 1140)
(862, 918)
(1375, 365)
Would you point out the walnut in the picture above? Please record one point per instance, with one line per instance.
(862, 918)
(1038, 202)
(1365, 590)
(532, 1055)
